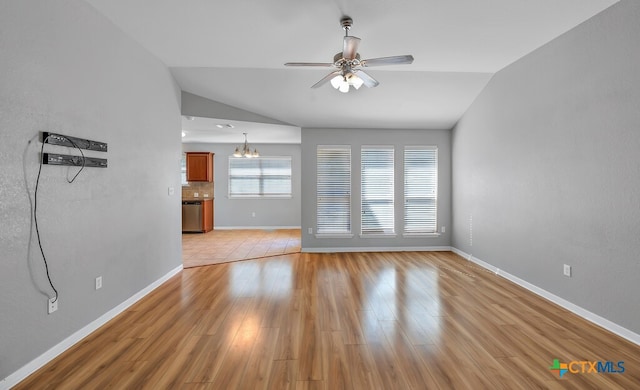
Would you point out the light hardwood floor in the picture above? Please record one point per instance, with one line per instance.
(341, 321)
(223, 246)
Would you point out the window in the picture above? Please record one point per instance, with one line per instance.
(183, 170)
(377, 167)
(260, 177)
(333, 190)
(420, 189)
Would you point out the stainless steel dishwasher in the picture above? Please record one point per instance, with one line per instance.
(192, 216)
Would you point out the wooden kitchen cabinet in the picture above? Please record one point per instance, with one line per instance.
(207, 215)
(199, 166)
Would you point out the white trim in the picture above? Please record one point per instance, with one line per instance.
(379, 249)
(67, 343)
(334, 235)
(475, 260)
(261, 197)
(255, 227)
(378, 235)
(584, 313)
(420, 235)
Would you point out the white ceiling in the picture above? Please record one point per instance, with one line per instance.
(234, 52)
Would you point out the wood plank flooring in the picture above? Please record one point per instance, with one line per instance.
(223, 246)
(341, 321)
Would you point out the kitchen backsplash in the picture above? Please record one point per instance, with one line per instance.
(202, 188)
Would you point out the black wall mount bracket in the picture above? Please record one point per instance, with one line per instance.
(76, 161)
(65, 140)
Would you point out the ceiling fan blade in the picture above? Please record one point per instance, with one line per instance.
(325, 79)
(369, 81)
(350, 47)
(395, 60)
(323, 64)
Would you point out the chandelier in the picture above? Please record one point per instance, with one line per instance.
(246, 150)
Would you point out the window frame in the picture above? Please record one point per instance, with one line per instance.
(388, 229)
(344, 185)
(427, 198)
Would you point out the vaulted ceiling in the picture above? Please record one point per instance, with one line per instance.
(234, 52)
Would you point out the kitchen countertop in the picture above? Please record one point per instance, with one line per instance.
(195, 199)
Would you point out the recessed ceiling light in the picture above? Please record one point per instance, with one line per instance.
(183, 133)
(189, 117)
(219, 126)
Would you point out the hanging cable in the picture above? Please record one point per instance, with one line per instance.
(35, 206)
(35, 218)
(83, 160)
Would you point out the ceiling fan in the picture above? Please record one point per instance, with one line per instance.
(349, 65)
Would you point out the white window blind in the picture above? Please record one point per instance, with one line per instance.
(259, 177)
(333, 189)
(377, 168)
(183, 169)
(420, 189)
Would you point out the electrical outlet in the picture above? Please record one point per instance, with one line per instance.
(253, 214)
(52, 305)
(98, 282)
(443, 229)
(310, 230)
(567, 270)
(170, 191)
(195, 194)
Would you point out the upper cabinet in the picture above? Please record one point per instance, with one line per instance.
(199, 166)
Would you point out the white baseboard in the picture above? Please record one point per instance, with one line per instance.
(65, 344)
(584, 313)
(255, 227)
(379, 249)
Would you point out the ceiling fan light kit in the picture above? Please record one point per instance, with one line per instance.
(349, 66)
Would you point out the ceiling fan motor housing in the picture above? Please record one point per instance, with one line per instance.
(346, 22)
(339, 57)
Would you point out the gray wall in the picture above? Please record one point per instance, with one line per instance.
(311, 138)
(546, 161)
(237, 213)
(67, 69)
(195, 105)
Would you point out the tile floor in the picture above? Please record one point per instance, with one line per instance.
(222, 246)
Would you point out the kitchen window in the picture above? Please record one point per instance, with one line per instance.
(183, 169)
(260, 177)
